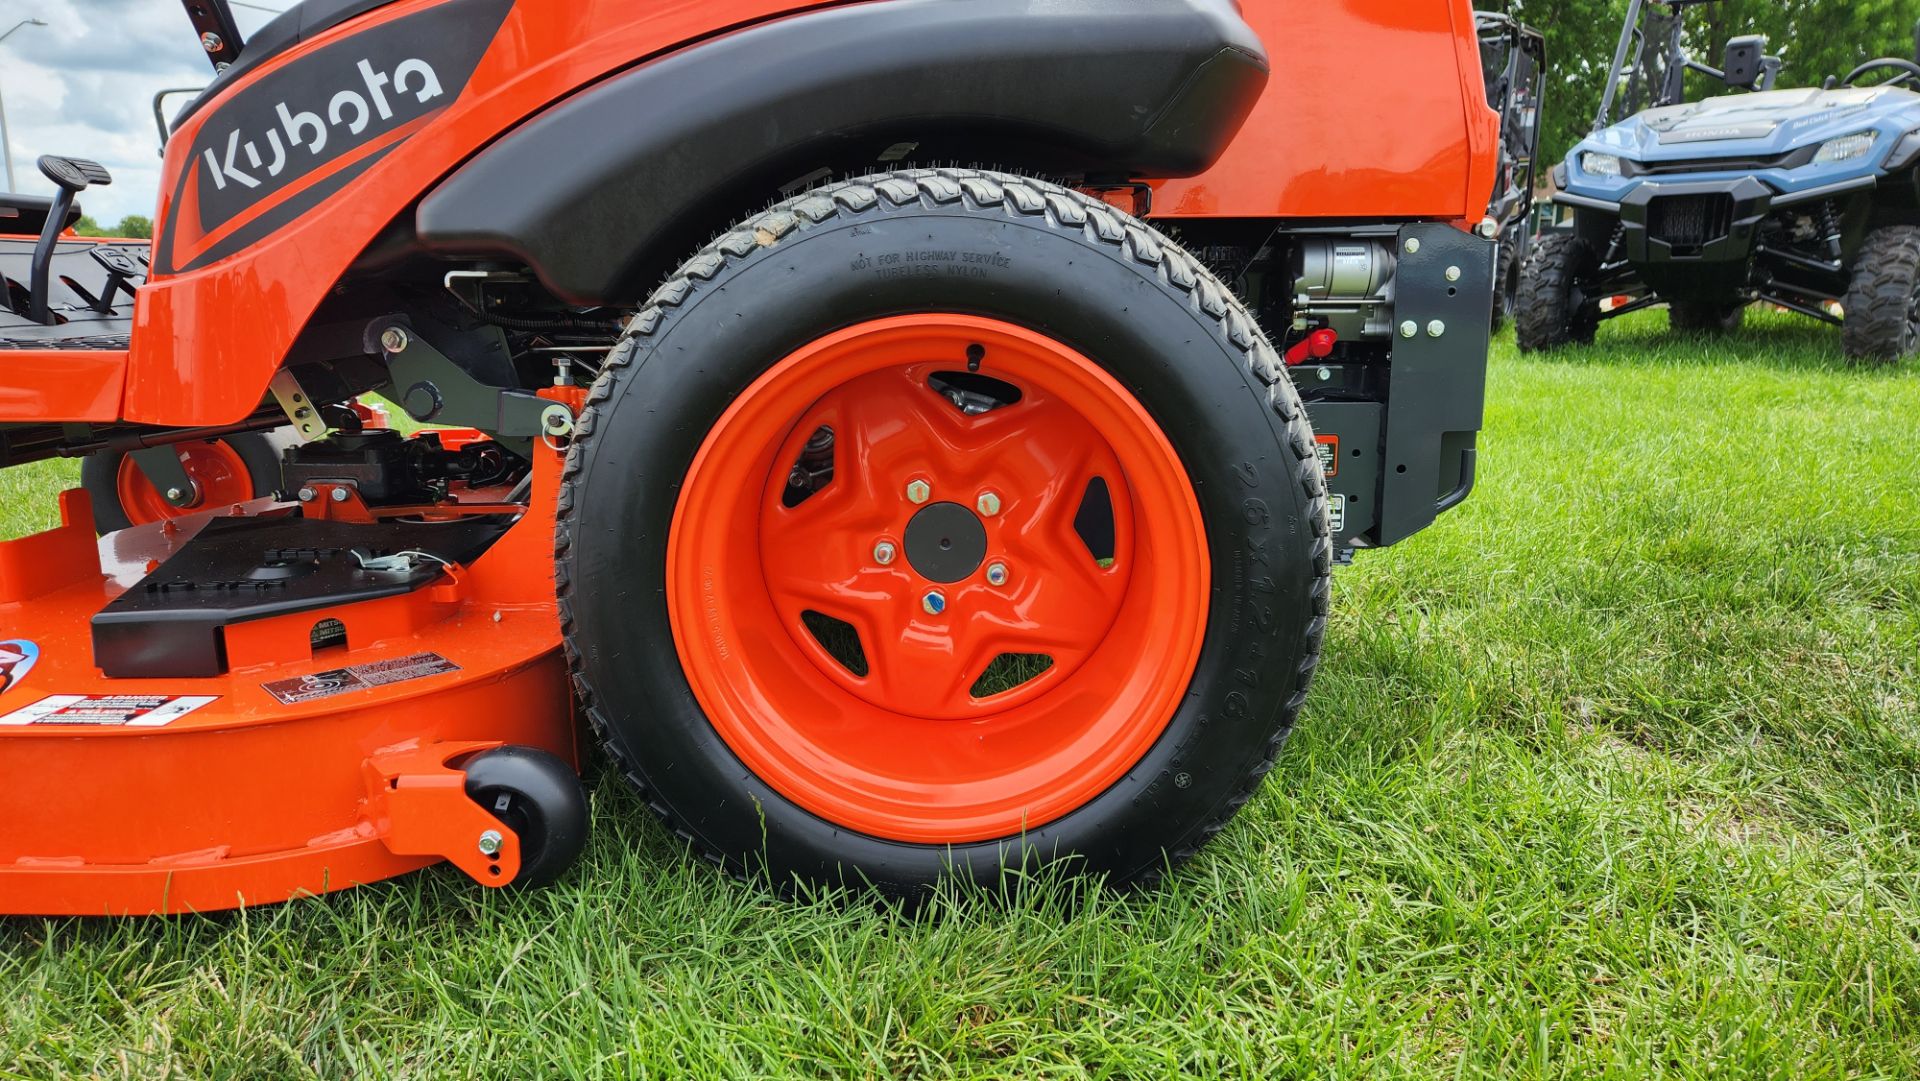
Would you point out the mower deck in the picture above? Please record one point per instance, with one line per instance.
(296, 770)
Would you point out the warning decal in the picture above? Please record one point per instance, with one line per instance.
(109, 710)
(1328, 447)
(359, 677)
(1336, 512)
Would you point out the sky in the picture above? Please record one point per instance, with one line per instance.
(83, 86)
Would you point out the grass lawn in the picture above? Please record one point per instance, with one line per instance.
(1615, 772)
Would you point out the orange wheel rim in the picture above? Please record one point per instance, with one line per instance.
(220, 478)
(914, 748)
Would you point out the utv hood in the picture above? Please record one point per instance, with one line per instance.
(1769, 122)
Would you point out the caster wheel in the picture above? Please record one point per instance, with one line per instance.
(539, 797)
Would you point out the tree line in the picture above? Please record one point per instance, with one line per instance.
(1814, 38)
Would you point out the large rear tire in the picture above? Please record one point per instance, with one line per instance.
(813, 713)
(1883, 303)
(1552, 308)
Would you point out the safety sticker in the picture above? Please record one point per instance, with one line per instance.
(1336, 512)
(16, 660)
(1328, 447)
(359, 677)
(110, 710)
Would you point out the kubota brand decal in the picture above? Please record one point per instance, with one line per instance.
(17, 658)
(284, 142)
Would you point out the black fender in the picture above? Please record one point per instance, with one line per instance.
(601, 192)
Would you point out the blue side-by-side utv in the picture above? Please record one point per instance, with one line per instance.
(1808, 199)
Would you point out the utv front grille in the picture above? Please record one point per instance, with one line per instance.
(1690, 222)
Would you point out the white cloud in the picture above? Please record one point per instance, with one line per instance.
(83, 86)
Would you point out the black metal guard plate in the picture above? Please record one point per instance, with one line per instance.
(172, 623)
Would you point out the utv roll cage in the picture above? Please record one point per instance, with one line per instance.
(1661, 76)
(1514, 58)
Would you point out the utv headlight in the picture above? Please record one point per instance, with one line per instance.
(1846, 148)
(1594, 163)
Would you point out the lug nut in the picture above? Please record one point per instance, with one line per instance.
(997, 574)
(988, 503)
(490, 842)
(934, 603)
(919, 491)
(883, 553)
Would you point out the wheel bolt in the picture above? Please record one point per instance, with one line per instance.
(988, 504)
(883, 553)
(919, 491)
(934, 603)
(490, 842)
(997, 574)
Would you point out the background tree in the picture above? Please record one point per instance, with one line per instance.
(1814, 39)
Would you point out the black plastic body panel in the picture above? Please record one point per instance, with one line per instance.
(172, 623)
(601, 192)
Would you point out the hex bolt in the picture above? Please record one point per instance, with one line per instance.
(339, 495)
(884, 552)
(174, 495)
(996, 574)
(988, 504)
(1453, 273)
(934, 603)
(1409, 328)
(490, 843)
(1326, 374)
(1436, 328)
(212, 42)
(393, 340)
(307, 495)
(1413, 245)
(919, 491)
(1489, 228)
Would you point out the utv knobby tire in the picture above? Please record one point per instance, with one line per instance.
(1070, 267)
(1703, 318)
(1882, 320)
(1551, 309)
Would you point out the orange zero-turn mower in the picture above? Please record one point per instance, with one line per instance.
(932, 521)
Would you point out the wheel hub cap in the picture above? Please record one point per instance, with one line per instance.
(945, 542)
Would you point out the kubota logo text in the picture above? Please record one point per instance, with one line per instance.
(243, 163)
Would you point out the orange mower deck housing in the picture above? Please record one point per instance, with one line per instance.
(314, 649)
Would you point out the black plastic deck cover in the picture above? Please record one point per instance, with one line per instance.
(171, 624)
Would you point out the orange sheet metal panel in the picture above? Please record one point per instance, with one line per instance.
(542, 52)
(52, 385)
(1376, 110)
